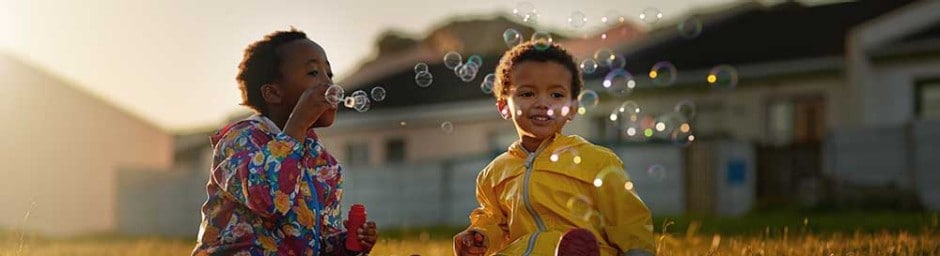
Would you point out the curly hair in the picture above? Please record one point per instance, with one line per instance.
(261, 65)
(535, 51)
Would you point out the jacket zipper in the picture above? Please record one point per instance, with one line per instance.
(530, 162)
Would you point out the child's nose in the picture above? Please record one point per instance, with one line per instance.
(542, 102)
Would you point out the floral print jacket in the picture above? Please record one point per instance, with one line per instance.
(269, 194)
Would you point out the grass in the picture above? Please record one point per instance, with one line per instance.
(767, 233)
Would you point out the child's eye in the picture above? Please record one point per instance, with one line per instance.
(558, 95)
(314, 73)
(526, 94)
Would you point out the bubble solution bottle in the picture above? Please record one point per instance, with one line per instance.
(357, 217)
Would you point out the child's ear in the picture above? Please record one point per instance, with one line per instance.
(271, 93)
(503, 109)
(575, 104)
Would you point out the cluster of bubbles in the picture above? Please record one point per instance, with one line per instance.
(423, 77)
(635, 125)
(487, 85)
(466, 71)
(619, 82)
(358, 100)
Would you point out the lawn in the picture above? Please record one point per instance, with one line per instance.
(787, 233)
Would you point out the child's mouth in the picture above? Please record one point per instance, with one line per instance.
(540, 119)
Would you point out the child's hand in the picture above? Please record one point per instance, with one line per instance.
(470, 243)
(367, 234)
(311, 104)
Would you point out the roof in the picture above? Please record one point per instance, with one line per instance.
(395, 71)
(922, 43)
(783, 32)
(746, 34)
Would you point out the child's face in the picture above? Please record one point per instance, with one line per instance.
(539, 99)
(304, 65)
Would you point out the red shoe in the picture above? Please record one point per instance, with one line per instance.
(578, 242)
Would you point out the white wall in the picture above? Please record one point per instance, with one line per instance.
(883, 90)
(890, 99)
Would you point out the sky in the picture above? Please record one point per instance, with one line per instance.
(173, 62)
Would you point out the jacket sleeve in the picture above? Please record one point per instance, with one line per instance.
(627, 221)
(259, 172)
(489, 218)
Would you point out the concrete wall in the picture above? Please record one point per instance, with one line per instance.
(873, 157)
(927, 168)
(902, 157)
(61, 149)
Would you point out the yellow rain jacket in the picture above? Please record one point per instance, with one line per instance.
(528, 200)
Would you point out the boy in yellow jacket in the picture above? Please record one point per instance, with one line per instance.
(551, 194)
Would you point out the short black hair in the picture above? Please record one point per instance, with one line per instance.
(261, 65)
(535, 51)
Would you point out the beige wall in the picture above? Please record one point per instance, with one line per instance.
(60, 151)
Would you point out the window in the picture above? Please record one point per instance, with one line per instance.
(395, 150)
(357, 153)
(800, 119)
(780, 122)
(927, 99)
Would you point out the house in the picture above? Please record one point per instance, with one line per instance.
(62, 149)
(836, 99)
(833, 101)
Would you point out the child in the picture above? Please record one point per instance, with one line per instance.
(274, 190)
(551, 193)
